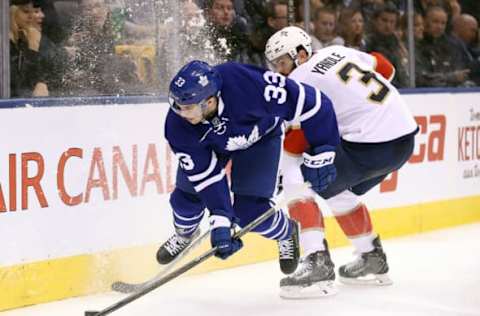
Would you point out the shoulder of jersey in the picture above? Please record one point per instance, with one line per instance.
(177, 129)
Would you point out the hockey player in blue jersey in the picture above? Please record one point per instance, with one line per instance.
(236, 112)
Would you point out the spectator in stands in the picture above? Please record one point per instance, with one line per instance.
(186, 40)
(368, 8)
(91, 50)
(276, 18)
(229, 32)
(351, 28)
(453, 8)
(384, 40)
(464, 35)
(471, 7)
(421, 6)
(325, 32)
(439, 63)
(53, 58)
(27, 76)
(418, 27)
(56, 29)
(465, 28)
(277, 15)
(335, 5)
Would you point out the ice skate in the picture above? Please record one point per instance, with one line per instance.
(315, 277)
(174, 246)
(369, 268)
(289, 250)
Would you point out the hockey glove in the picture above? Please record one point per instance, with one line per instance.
(221, 237)
(318, 167)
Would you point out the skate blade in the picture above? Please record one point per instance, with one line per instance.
(370, 280)
(316, 290)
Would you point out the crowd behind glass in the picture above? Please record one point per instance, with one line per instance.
(130, 47)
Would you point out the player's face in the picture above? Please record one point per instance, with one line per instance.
(197, 113)
(283, 64)
(192, 113)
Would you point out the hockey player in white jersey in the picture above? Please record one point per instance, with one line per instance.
(377, 137)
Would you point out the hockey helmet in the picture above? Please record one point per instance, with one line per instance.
(193, 84)
(287, 41)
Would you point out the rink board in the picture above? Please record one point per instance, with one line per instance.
(84, 192)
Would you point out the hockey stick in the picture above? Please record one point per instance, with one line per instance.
(193, 263)
(126, 288)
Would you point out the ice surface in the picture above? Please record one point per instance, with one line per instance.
(436, 273)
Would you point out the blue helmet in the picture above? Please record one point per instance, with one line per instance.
(193, 84)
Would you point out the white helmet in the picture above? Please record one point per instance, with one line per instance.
(286, 41)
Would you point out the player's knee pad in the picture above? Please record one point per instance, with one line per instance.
(307, 213)
(355, 223)
(188, 211)
(343, 202)
(248, 208)
(292, 181)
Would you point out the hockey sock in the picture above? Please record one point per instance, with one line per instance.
(248, 208)
(307, 213)
(188, 211)
(357, 226)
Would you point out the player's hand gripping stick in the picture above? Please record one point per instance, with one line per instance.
(188, 266)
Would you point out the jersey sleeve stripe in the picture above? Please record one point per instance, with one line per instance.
(187, 218)
(276, 220)
(271, 128)
(314, 110)
(206, 173)
(199, 187)
(300, 101)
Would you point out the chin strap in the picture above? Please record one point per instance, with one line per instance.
(296, 63)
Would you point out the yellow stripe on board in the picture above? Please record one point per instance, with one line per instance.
(56, 279)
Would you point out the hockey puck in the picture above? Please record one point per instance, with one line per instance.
(90, 313)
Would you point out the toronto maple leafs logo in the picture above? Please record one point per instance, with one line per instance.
(203, 81)
(242, 142)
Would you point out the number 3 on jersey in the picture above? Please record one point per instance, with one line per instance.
(275, 88)
(366, 78)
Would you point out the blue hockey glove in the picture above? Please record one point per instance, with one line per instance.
(318, 167)
(221, 237)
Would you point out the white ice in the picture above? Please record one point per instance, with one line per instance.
(434, 274)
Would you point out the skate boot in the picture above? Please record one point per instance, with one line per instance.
(314, 277)
(368, 269)
(174, 246)
(289, 250)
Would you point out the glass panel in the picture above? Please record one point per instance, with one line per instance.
(126, 47)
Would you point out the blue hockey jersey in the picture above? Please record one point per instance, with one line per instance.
(252, 103)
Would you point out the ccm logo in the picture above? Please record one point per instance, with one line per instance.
(320, 160)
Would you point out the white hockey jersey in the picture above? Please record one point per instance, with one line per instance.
(368, 108)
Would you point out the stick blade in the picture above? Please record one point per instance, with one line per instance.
(91, 313)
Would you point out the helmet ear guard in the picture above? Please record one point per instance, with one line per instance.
(286, 42)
